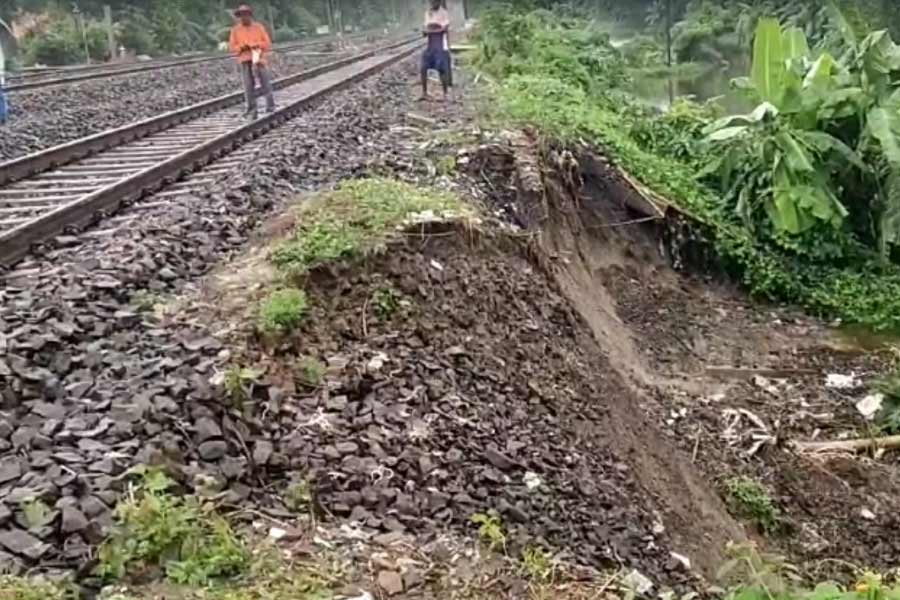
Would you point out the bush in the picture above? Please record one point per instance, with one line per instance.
(63, 42)
(282, 311)
(182, 536)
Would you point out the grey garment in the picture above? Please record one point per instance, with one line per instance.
(265, 83)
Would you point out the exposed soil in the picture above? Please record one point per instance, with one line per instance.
(669, 332)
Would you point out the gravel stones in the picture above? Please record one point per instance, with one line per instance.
(23, 543)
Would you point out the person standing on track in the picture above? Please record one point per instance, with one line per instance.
(437, 53)
(250, 42)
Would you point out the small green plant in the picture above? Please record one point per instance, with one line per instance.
(18, 588)
(312, 371)
(888, 418)
(183, 537)
(298, 496)
(282, 311)
(752, 575)
(751, 501)
(490, 530)
(146, 301)
(237, 383)
(538, 565)
(386, 301)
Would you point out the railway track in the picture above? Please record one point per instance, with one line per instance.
(67, 187)
(37, 80)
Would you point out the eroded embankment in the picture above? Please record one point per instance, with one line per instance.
(733, 384)
(446, 374)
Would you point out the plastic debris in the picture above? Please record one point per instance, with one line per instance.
(638, 582)
(869, 406)
(837, 381)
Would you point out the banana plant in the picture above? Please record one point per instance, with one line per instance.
(776, 157)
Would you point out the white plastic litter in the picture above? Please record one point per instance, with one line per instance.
(838, 381)
(869, 406)
(637, 582)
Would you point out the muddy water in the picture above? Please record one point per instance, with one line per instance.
(700, 84)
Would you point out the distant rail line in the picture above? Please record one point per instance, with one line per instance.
(65, 75)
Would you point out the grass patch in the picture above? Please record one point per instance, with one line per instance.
(750, 500)
(282, 311)
(237, 383)
(537, 565)
(180, 536)
(19, 588)
(490, 530)
(312, 371)
(356, 218)
(386, 301)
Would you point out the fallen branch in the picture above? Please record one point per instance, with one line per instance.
(858, 445)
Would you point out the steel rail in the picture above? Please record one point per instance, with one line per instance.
(105, 71)
(64, 208)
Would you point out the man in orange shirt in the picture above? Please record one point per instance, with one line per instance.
(250, 42)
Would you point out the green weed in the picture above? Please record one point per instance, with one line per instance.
(386, 301)
(490, 530)
(355, 218)
(19, 588)
(751, 501)
(298, 496)
(181, 536)
(237, 382)
(752, 575)
(146, 301)
(312, 371)
(538, 565)
(282, 311)
(888, 418)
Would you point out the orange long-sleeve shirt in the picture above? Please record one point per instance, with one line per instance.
(252, 36)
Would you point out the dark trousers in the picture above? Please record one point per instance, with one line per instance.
(265, 83)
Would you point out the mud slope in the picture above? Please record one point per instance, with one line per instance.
(669, 335)
(483, 391)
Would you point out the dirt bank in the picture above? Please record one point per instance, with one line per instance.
(730, 382)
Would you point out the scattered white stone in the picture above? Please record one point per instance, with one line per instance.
(837, 381)
(658, 528)
(764, 384)
(684, 560)
(637, 582)
(867, 514)
(376, 363)
(869, 406)
(365, 596)
(217, 379)
(533, 481)
(276, 533)
(437, 266)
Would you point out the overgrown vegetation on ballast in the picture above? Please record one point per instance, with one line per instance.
(801, 197)
(359, 217)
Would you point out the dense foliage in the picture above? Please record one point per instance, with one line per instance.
(162, 27)
(800, 196)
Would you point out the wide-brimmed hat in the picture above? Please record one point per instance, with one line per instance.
(243, 9)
